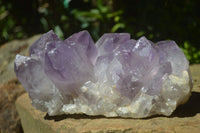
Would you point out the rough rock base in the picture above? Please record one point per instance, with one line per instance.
(34, 121)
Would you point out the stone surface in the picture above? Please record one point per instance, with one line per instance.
(10, 87)
(185, 119)
(9, 118)
(118, 76)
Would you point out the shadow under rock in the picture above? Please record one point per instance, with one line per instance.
(79, 116)
(189, 109)
(74, 116)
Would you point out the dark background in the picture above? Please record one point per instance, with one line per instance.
(156, 19)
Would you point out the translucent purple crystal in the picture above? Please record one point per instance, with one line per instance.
(117, 76)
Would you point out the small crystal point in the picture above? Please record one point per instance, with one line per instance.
(84, 40)
(109, 41)
(39, 46)
(116, 76)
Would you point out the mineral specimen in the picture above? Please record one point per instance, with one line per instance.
(117, 76)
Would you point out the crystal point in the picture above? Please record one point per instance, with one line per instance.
(116, 76)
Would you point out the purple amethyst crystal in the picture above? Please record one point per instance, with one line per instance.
(116, 76)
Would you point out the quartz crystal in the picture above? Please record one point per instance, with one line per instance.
(116, 76)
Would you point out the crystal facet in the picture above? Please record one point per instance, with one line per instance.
(117, 76)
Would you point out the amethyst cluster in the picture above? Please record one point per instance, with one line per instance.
(116, 76)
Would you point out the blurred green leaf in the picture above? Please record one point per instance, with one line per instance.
(114, 14)
(20, 34)
(44, 24)
(117, 26)
(192, 54)
(150, 36)
(59, 31)
(140, 33)
(66, 3)
(64, 18)
(5, 34)
(102, 9)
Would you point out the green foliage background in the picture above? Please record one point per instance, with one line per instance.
(156, 19)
